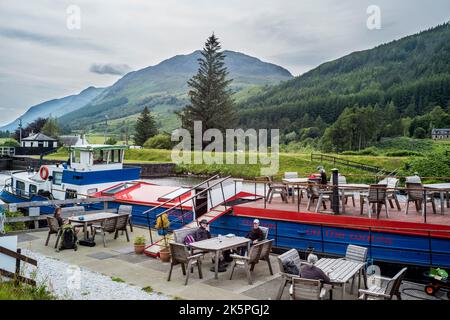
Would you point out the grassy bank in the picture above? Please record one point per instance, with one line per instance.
(288, 162)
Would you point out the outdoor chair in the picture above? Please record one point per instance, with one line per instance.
(283, 259)
(375, 198)
(316, 193)
(392, 185)
(415, 193)
(293, 189)
(107, 226)
(276, 188)
(121, 225)
(384, 288)
(180, 255)
(53, 229)
(123, 209)
(306, 289)
(259, 251)
(265, 232)
(357, 254)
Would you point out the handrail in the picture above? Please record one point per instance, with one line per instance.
(178, 196)
(194, 196)
(349, 163)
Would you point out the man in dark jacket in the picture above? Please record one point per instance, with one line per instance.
(256, 233)
(202, 232)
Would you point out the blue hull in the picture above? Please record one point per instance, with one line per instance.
(13, 198)
(383, 246)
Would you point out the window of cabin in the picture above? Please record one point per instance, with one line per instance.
(20, 187)
(57, 178)
(100, 157)
(76, 156)
(32, 189)
(116, 156)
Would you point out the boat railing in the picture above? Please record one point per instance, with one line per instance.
(184, 201)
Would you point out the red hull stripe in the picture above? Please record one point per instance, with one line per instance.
(342, 221)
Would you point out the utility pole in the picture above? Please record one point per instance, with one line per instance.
(20, 131)
(106, 126)
(126, 132)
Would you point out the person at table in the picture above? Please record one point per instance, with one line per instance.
(202, 233)
(310, 271)
(61, 221)
(323, 176)
(255, 234)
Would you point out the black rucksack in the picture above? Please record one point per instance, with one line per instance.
(68, 238)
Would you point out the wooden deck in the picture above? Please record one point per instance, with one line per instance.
(354, 211)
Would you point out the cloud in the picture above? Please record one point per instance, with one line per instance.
(49, 39)
(110, 68)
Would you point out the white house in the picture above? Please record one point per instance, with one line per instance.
(39, 140)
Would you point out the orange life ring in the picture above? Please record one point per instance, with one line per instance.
(43, 172)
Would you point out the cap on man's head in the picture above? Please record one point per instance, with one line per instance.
(256, 221)
(204, 221)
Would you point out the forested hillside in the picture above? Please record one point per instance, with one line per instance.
(395, 89)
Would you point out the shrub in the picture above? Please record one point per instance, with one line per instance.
(160, 141)
(10, 143)
(434, 164)
(404, 153)
(111, 141)
(371, 151)
(15, 226)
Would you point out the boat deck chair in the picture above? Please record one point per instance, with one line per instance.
(375, 198)
(123, 209)
(106, 226)
(415, 194)
(392, 185)
(276, 188)
(357, 254)
(316, 193)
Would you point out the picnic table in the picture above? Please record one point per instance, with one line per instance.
(219, 244)
(91, 218)
(296, 183)
(340, 271)
(442, 189)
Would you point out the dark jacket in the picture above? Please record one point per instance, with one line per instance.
(323, 178)
(255, 234)
(201, 234)
(60, 221)
(313, 273)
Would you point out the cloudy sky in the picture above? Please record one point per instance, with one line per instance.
(41, 58)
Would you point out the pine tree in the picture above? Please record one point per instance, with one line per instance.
(145, 127)
(51, 128)
(210, 99)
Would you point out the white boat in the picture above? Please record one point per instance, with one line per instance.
(90, 168)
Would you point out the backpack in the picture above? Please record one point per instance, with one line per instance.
(68, 238)
(189, 239)
(291, 268)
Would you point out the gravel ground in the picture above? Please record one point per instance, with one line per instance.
(74, 283)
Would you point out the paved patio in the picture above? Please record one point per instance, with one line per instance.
(118, 260)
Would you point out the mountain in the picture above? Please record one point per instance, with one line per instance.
(163, 88)
(56, 107)
(411, 76)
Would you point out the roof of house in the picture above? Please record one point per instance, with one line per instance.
(69, 140)
(38, 137)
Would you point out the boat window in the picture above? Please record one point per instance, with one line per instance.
(76, 156)
(92, 191)
(32, 189)
(100, 157)
(118, 188)
(71, 194)
(57, 178)
(20, 187)
(177, 193)
(116, 156)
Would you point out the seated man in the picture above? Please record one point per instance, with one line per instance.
(256, 233)
(202, 232)
(310, 271)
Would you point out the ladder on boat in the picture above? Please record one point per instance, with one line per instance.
(213, 214)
